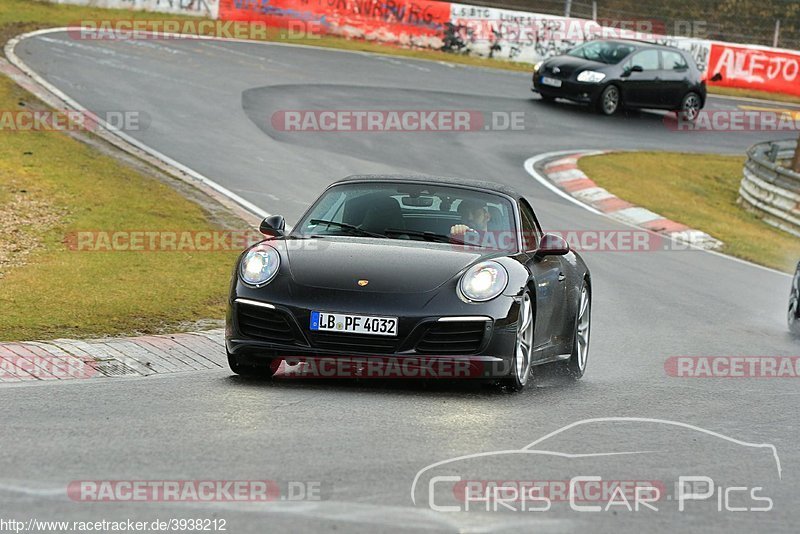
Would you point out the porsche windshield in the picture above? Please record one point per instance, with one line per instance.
(421, 212)
(608, 52)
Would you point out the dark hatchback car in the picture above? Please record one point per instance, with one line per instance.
(615, 74)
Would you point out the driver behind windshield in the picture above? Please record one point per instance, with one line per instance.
(475, 218)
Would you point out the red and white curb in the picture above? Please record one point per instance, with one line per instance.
(69, 359)
(564, 174)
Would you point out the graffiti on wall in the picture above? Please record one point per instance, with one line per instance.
(483, 31)
(405, 22)
(512, 35)
(204, 7)
(532, 37)
(756, 68)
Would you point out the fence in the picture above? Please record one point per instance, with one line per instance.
(523, 36)
(756, 23)
(769, 188)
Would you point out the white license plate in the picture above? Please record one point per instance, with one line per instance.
(551, 81)
(353, 324)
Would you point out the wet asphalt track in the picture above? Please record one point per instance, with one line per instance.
(209, 105)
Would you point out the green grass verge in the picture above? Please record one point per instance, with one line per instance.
(51, 185)
(699, 191)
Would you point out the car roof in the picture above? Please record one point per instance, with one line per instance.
(640, 43)
(431, 179)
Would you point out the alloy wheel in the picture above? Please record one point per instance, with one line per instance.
(610, 100)
(524, 345)
(582, 327)
(691, 107)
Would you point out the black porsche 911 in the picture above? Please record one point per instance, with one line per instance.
(616, 74)
(410, 267)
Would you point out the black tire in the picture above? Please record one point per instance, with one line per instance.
(575, 366)
(793, 316)
(520, 372)
(252, 368)
(547, 98)
(610, 93)
(691, 104)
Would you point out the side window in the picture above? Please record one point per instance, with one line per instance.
(647, 59)
(530, 232)
(674, 61)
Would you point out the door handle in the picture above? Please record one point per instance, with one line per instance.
(561, 277)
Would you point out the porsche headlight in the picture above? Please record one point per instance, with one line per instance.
(591, 76)
(483, 281)
(537, 66)
(260, 265)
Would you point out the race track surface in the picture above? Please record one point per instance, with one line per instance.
(209, 105)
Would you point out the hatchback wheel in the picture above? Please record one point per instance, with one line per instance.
(609, 101)
(690, 107)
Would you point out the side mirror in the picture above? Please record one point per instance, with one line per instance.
(631, 70)
(273, 226)
(552, 245)
(717, 77)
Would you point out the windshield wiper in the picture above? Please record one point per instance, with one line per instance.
(428, 236)
(349, 227)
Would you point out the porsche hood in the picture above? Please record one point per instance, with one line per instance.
(376, 265)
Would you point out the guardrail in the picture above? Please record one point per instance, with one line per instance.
(769, 188)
